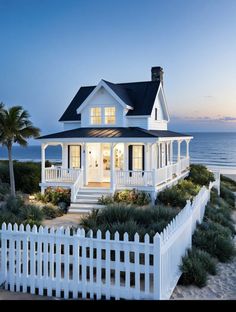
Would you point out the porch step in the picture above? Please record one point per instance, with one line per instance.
(83, 208)
(87, 199)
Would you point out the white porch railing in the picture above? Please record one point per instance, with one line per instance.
(184, 163)
(57, 174)
(151, 178)
(164, 174)
(134, 178)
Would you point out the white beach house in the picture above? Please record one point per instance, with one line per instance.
(116, 137)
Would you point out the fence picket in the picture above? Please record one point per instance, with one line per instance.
(66, 263)
(99, 267)
(108, 265)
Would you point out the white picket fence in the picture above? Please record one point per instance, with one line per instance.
(55, 262)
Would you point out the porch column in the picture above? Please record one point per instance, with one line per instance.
(43, 148)
(167, 153)
(158, 156)
(112, 169)
(84, 163)
(147, 151)
(171, 152)
(187, 148)
(179, 151)
(126, 160)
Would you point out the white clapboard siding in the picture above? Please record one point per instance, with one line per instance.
(58, 263)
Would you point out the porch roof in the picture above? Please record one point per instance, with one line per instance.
(113, 133)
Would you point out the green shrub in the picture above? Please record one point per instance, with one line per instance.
(129, 219)
(55, 196)
(14, 210)
(195, 266)
(134, 196)
(220, 216)
(106, 200)
(214, 239)
(193, 272)
(4, 190)
(51, 212)
(227, 195)
(200, 175)
(229, 183)
(30, 214)
(27, 175)
(177, 195)
(208, 262)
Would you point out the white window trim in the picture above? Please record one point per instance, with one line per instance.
(92, 116)
(102, 116)
(104, 109)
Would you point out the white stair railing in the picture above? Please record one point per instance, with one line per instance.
(76, 186)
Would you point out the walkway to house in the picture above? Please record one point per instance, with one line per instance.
(70, 219)
(222, 286)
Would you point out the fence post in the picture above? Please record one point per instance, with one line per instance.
(157, 267)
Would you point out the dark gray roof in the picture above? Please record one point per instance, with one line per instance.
(139, 95)
(119, 132)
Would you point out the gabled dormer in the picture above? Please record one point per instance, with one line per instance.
(135, 104)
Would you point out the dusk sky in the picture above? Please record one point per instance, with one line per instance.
(49, 48)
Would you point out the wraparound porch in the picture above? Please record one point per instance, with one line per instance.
(106, 165)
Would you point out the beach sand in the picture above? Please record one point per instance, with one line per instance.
(221, 286)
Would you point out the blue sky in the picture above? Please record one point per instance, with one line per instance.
(49, 48)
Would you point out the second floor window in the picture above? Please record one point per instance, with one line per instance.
(96, 115)
(110, 115)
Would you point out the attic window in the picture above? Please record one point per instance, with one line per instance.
(155, 113)
(96, 115)
(110, 115)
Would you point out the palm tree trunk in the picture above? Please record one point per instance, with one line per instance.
(11, 171)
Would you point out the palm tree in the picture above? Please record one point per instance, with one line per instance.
(15, 127)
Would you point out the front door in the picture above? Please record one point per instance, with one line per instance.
(98, 162)
(94, 162)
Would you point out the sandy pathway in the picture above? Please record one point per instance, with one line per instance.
(221, 286)
(70, 219)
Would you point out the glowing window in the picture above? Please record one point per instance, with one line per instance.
(137, 157)
(110, 115)
(96, 115)
(74, 156)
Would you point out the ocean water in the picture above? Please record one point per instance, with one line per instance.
(214, 149)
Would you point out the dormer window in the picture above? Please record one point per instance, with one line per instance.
(110, 115)
(96, 115)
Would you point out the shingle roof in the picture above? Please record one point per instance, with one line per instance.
(119, 132)
(139, 95)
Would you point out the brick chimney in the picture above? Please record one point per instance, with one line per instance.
(157, 74)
